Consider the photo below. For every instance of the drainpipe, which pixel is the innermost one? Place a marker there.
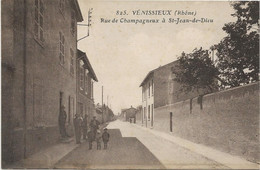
(25, 76)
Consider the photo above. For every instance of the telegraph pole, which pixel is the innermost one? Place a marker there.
(87, 25)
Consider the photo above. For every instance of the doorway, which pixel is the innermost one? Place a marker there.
(170, 121)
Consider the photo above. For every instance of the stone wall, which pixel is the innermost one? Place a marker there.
(226, 120)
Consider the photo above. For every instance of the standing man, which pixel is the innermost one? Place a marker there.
(62, 122)
(94, 125)
(85, 126)
(77, 121)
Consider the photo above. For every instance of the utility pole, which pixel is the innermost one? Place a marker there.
(88, 25)
(102, 106)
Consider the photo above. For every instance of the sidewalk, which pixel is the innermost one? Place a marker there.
(47, 157)
(225, 159)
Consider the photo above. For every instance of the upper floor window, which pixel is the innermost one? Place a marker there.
(62, 6)
(86, 81)
(81, 75)
(152, 87)
(149, 89)
(62, 48)
(38, 20)
(71, 62)
(73, 22)
(92, 89)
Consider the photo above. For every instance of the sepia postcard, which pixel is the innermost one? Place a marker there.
(129, 84)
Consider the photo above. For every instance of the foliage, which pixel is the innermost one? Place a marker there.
(237, 55)
(196, 70)
(238, 52)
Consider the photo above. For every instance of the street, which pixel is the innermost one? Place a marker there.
(132, 147)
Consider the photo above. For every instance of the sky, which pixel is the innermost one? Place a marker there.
(122, 54)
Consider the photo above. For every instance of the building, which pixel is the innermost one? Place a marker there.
(158, 90)
(129, 114)
(39, 47)
(139, 114)
(85, 86)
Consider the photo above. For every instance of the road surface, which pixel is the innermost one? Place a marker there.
(132, 147)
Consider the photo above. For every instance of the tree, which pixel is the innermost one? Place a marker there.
(237, 53)
(196, 71)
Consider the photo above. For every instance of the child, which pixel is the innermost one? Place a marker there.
(90, 138)
(98, 139)
(105, 137)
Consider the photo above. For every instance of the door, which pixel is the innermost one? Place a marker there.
(170, 121)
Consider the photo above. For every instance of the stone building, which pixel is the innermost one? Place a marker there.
(158, 90)
(39, 47)
(129, 114)
(85, 81)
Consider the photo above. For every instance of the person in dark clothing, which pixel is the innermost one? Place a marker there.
(94, 125)
(85, 126)
(90, 138)
(105, 137)
(62, 122)
(77, 121)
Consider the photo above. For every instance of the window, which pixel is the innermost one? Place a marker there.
(149, 109)
(80, 108)
(152, 115)
(145, 93)
(144, 114)
(81, 75)
(92, 87)
(143, 90)
(62, 48)
(149, 87)
(86, 81)
(71, 109)
(73, 23)
(38, 20)
(38, 116)
(71, 62)
(62, 6)
(152, 87)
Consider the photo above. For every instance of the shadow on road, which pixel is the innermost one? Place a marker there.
(122, 153)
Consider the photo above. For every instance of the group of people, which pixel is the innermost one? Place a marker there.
(90, 132)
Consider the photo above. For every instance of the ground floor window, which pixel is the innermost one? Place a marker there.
(80, 108)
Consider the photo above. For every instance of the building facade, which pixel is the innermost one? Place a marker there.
(158, 90)
(85, 86)
(39, 47)
(129, 114)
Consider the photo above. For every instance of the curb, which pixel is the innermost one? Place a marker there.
(233, 162)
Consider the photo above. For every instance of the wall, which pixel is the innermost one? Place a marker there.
(228, 120)
(148, 101)
(45, 76)
(166, 90)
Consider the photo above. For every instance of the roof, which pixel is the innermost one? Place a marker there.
(146, 77)
(78, 11)
(131, 112)
(152, 71)
(87, 64)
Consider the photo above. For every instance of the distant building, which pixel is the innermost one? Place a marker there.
(85, 86)
(39, 48)
(159, 89)
(129, 114)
